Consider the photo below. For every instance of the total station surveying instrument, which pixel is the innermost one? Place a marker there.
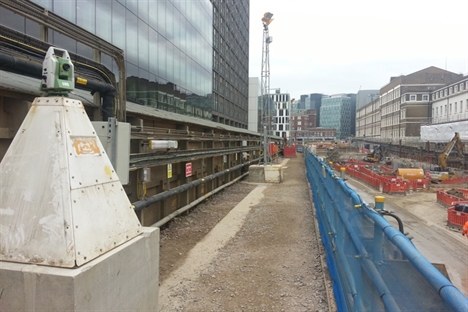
(58, 77)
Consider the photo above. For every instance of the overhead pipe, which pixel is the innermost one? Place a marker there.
(57, 23)
(107, 91)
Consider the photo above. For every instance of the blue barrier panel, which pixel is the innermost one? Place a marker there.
(374, 267)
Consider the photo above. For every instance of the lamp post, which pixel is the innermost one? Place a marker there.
(266, 99)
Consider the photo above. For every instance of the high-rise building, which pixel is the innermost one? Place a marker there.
(255, 123)
(230, 62)
(281, 113)
(302, 101)
(315, 102)
(187, 57)
(339, 112)
(364, 97)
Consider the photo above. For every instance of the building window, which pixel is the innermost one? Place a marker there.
(450, 108)
(456, 88)
(425, 97)
(456, 107)
(412, 97)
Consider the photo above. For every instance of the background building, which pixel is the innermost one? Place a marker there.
(405, 101)
(315, 102)
(230, 61)
(450, 102)
(408, 102)
(364, 97)
(368, 120)
(449, 113)
(281, 113)
(254, 105)
(187, 57)
(339, 112)
(301, 104)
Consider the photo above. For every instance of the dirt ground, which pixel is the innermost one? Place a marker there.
(252, 247)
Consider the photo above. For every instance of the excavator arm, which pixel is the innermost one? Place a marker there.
(448, 149)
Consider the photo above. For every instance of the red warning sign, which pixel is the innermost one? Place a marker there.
(188, 170)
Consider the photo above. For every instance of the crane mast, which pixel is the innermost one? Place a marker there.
(265, 87)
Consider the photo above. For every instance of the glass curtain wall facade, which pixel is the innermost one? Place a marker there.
(339, 112)
(231, 62)
(168, 46)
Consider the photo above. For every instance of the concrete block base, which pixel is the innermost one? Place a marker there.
(256, 174)
(124, 279)
(274, 174)
(266, 174)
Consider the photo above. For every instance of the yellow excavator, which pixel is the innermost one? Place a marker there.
(376, 155)
(442, 172)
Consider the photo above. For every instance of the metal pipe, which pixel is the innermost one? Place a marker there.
(447, 291)
(106, 91)
(195, 202)
(55, 22)
(388, 213)
(139, 205)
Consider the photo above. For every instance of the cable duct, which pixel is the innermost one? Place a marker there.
(106, 91)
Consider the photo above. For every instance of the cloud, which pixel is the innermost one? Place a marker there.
(334, 46)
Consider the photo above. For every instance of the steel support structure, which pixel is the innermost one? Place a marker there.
(265, 96)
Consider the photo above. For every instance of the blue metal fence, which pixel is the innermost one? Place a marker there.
(374, 267)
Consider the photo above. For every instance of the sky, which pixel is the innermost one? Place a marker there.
(343, 46)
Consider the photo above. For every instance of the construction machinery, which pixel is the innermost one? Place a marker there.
(442, 172)
(376, 155)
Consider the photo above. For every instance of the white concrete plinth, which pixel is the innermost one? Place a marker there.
(273, 174)
(256, 174)
(124, 279)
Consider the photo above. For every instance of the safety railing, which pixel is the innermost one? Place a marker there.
(374, 267)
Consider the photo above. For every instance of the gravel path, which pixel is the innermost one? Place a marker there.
(252, 247)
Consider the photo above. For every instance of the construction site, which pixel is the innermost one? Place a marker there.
(401, 170)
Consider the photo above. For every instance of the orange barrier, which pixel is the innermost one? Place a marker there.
(289, 152)
(464, 192)
(273, 149)
(455, 181)
(456, 219)
(386, 184)
(447, 200)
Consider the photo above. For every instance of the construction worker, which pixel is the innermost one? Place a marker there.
(465, 229)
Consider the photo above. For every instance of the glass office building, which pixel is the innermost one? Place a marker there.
(189, 57)
(231, 62)
(339, 112)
